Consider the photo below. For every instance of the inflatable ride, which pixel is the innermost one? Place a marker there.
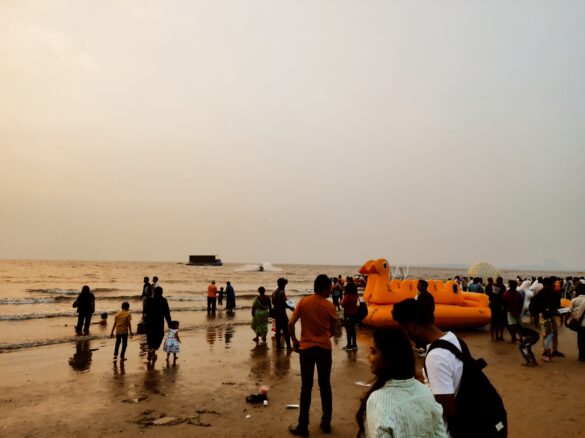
(454, 309)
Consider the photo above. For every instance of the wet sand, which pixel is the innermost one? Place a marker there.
(42, 394)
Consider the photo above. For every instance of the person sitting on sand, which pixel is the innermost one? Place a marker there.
(397, 405)
(260, 310)
(172, 342)
(123, 326)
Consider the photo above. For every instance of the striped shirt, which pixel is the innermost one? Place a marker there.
(404, 408)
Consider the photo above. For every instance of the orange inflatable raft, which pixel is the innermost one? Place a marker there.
(454, 309)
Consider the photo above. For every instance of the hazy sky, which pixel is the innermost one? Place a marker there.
(299, 131)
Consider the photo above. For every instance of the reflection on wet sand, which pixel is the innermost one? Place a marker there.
(119, 371)
(152, 380)
(281, 362)
(229, 334)
(81, 359)
(211, 334)
(170, 374)
(259, 363)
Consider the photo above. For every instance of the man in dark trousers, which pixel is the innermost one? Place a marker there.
(318, 317)
(280, 306)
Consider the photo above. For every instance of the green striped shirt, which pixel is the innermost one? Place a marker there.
(404, 408)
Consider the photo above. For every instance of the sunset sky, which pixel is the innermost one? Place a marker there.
(303, 131)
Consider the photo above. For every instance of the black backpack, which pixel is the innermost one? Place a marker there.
(479, 411)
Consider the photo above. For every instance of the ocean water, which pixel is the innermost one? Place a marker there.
(36, 297)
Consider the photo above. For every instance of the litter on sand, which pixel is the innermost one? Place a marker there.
(292, 406)
(163, 421)
(363, 384)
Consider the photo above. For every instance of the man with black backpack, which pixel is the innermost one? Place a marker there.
(471, 405)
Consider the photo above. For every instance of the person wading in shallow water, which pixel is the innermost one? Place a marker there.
(318, 318)
(156, 311)
(231, 297)
(85, 304)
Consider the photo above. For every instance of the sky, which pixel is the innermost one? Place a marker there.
(328, 132)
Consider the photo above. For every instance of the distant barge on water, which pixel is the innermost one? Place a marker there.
(204, 260)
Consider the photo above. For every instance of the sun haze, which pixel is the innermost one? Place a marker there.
(307, 132)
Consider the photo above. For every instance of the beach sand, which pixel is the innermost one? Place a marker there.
(42, 394)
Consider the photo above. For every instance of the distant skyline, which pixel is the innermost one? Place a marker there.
(307, 132)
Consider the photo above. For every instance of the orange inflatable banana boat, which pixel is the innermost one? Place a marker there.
(454, 309)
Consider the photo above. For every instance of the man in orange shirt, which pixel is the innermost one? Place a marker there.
(318, 316)
(211, 297)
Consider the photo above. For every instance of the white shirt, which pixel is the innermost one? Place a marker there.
(536, 286)
(444, 369)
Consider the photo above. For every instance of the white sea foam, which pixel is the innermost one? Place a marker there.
(259, 267)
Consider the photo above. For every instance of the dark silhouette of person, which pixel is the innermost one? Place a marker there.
(426, 299)
(156, 311)
(85, 304)
(280, 306)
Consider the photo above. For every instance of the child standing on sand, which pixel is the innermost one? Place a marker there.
(122, 326)
(172, 342)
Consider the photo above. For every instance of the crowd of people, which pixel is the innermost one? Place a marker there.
(438, 402)
(529, 308)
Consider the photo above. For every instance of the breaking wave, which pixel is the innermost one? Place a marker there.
(259, 267)
(43, 315)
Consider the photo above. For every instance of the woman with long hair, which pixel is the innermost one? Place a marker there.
(397, 405)
(85, 304)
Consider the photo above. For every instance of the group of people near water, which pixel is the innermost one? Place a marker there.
(439, 402)
(155, 311)
(215, 297)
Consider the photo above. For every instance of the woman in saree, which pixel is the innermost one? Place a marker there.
(260, 311)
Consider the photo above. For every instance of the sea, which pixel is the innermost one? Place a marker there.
(36, 297)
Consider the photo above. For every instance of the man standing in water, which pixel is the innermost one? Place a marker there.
(211, 297)
(280, 306)
(318, 317)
